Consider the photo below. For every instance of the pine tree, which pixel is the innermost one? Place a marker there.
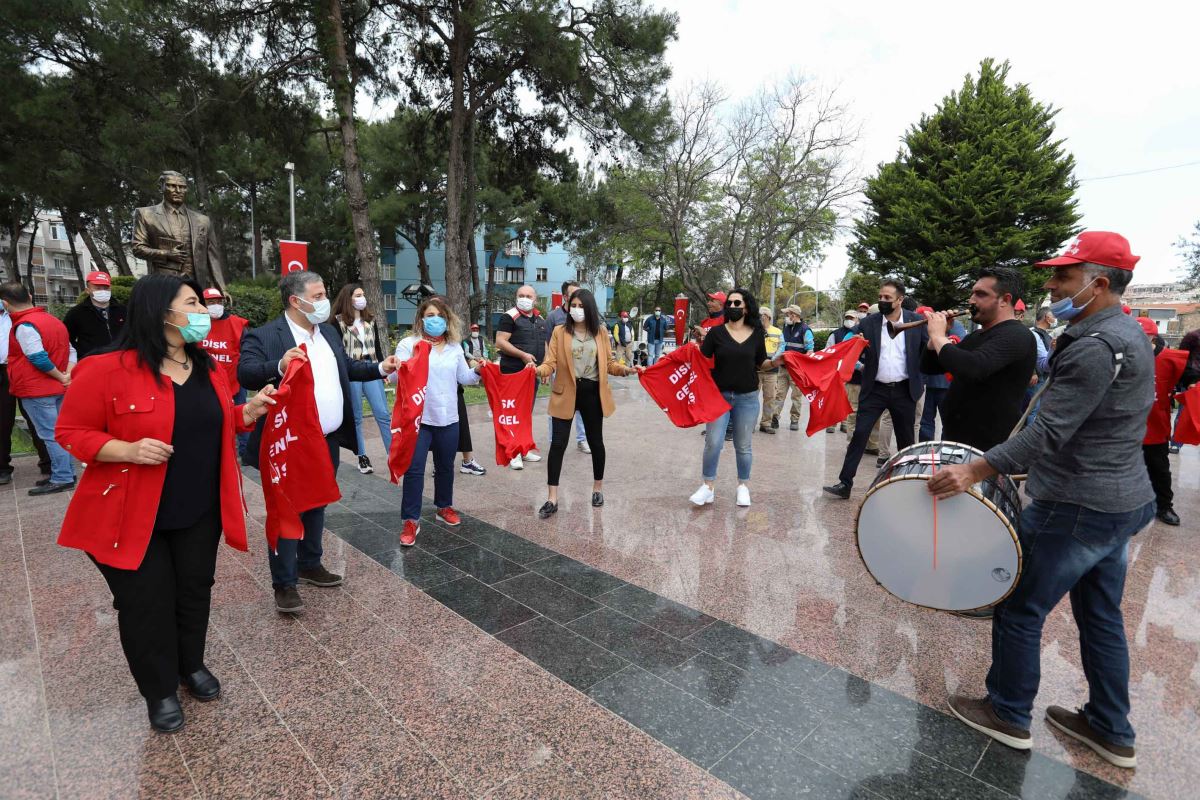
(980, 182)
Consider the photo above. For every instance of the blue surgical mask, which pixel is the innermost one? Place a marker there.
(198, 326)
(1066, 308)
(433, 326)
(320, 311)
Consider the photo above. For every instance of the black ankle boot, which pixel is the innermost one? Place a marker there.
(165, 715)
(202, 685)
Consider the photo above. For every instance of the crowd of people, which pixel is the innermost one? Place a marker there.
(155, 398)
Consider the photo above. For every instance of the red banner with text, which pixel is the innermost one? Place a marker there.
(511, 398)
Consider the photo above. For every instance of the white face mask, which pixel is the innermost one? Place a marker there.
(577, 314)
(474, 334)
(360, 303)
(320, 311)
(657, 313)
(102, 296)
(216, 310)
(525, 304)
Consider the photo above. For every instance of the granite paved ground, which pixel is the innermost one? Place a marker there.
(645, 649)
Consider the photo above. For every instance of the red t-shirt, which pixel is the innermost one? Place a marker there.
(511, 397)
(224, 344)
(1168, 368)
(682, 385)
(712, 322)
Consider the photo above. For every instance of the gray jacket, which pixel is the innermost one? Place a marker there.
(1085, 447)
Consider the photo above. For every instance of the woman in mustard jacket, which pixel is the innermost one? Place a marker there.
(581, 359)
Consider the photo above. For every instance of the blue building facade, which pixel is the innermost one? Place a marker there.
(544, 270)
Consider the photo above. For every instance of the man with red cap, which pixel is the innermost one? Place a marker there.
(224, 344)
(96, 320)
(1168, 369)
(716, 311)
(1090, 494)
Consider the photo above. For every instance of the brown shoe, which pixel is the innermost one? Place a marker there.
(1075, 725)
(980, 715)
(287, 601)
(319, 576)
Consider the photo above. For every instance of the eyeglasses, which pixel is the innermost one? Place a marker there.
(733, 303)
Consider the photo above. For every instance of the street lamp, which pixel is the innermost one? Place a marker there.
(253, 230)
(291, 170)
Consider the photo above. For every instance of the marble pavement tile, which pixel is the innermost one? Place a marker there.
(645, 646)
(765, 769)
(481, 564)
(656, 611)
(482, 605)
(546, 597)
(575, 575)
(562, 653)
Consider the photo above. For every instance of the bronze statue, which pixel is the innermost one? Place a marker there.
(175, 239)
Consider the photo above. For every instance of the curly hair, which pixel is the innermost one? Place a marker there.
(453, 323)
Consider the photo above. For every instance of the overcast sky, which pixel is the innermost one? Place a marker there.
(1126, 84)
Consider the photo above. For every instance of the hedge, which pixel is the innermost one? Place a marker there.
(255, 301)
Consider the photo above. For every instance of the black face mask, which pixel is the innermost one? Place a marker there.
(886, 307)
(733, 314)
(974, 309)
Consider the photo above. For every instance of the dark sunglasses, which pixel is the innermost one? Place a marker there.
(733, 303)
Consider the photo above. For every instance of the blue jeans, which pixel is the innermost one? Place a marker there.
(377, 397)
(443, 441)
(293, 555)
(656, 349)
(744, 414)
(242, 438)
(43, 416)
(1068, 548)
(934, 397)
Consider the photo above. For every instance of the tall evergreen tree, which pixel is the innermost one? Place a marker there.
(980, 182)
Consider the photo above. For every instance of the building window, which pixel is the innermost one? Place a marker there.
(62, 267)
(389, 302)
(514, 249)
(581, 276)
(58, 231)
(543, 274)
(41, 299)
(387, 272)
(514, 275)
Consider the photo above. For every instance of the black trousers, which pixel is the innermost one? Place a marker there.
(893, 398)
(162, 606)
(587, 403)
(464, 429)
(1159, 467)
(8, 421)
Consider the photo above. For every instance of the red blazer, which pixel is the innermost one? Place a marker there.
(112, 512)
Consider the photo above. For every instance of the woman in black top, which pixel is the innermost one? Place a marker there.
(739, 351)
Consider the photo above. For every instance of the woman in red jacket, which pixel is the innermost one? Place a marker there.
(153, 420)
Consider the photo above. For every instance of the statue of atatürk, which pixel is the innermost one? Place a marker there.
(173, 238)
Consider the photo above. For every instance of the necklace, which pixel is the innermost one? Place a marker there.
(186, 363)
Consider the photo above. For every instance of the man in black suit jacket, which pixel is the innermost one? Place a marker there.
(266, 352)
(894, 385)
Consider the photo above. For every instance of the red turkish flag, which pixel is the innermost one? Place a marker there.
(297, 474)
(681, 311)
(822, 376)
(681, 384)
(293, 256)
(1187, 427)
(511, 398)
(556, 300)
(411, 380)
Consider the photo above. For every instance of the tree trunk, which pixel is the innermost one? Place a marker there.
(658, 294)
(14, 256)
(457, 279)
(422, 245)
(29, 257)
(69, 219)
(111, 233)
(338, 52)
(491, 290)
(255, 236)
(476, 290)
(617, 282)
(471, 212)
(94, 249)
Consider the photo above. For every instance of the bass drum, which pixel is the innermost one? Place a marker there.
(960, 555)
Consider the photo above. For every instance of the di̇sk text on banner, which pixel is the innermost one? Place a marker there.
(822, 377)
(681, 384)
(411, 379)
(511, 398)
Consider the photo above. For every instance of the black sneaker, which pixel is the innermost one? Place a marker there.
(319, 576)
(50, 488)
(840, 489)
(166, 716)
(287, 601)
(775, 421)
(547, 510)
(202, 685)
(364, 465)
(597, 499)
(1169, 517)
(5, 478)
(766, 429)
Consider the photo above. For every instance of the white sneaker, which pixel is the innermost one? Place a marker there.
(533, 455)
(743, 495)
(583, 447)
(516, 463)
(703, 496)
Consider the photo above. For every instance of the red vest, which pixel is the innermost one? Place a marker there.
(26, 380)
(224, 344)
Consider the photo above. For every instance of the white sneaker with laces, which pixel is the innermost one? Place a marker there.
(516, 463)
(703, 496)
(743, 495)
(583, 447)
(533, 455)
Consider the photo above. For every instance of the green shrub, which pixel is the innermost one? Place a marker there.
(256, 302)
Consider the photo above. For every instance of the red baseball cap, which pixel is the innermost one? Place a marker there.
(99, 278)
(1105, 248)
(1148, 326)
(1127, 311)
(474, 326)
(864, 306)
(1019, 305)
(718, 296)
(213, 294)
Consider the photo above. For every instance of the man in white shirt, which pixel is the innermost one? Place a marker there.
(891, 380)
(266, 353)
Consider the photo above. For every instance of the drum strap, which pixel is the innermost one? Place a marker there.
(1118, 357)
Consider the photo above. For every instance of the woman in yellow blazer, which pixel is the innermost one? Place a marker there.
(581, 359)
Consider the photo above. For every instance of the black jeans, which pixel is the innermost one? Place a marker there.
(896, 400)
(1159, 467)
(162, 606)
(587, 403)
(464, 430)
(8, 420)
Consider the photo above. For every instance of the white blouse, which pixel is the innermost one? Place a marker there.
(447, 369)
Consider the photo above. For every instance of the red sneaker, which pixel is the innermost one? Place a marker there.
(408, 536)
(449, 516)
